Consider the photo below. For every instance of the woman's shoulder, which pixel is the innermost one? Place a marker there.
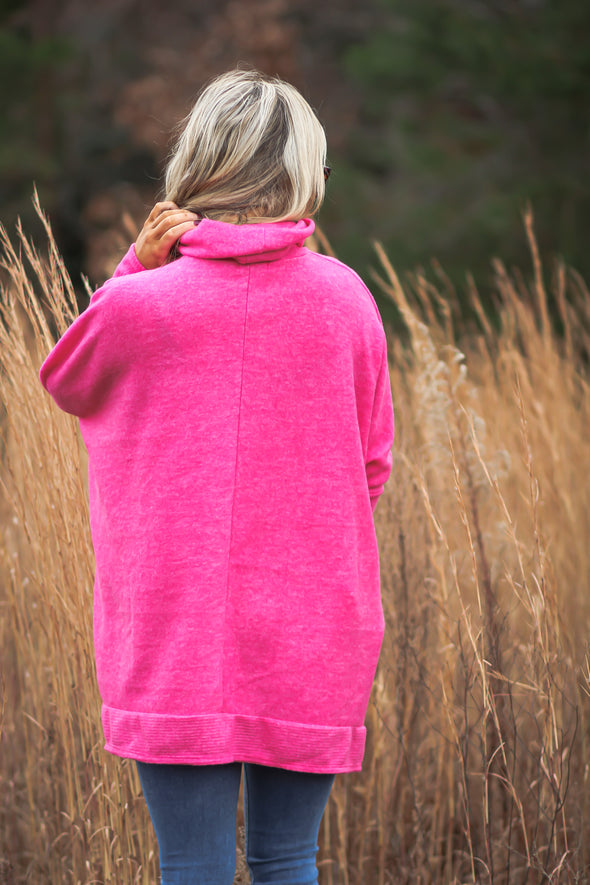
(132, 286)
(343, 278)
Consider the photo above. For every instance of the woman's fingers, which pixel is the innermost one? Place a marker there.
(163, 227)
(170, 218)
(168, 238)
(164, 206)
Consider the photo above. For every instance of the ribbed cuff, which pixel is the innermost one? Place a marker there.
(130, 263)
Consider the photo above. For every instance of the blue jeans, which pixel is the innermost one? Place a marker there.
(193, 810)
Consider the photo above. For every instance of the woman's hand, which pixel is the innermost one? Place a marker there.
(165, 224)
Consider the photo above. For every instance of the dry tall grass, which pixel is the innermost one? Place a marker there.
(478, 759)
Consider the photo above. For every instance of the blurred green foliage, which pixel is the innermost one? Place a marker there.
(448, 116)
(57, 115)
(469, 110)
(31, 110)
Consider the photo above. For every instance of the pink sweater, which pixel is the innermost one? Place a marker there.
(236, 408)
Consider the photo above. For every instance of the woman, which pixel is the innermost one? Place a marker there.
(236, 407)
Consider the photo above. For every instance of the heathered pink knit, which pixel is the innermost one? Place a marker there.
(236, 408)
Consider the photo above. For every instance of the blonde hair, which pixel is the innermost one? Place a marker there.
(251, 148)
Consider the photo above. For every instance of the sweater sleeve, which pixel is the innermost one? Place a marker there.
(378, 459)
(89, 359)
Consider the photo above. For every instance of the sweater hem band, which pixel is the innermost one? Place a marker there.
(220, 738)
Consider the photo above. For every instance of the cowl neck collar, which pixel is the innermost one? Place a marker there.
(245, 243)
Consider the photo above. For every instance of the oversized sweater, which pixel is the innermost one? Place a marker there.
(236, 407)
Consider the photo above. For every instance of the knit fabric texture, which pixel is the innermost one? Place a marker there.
(236, 407)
